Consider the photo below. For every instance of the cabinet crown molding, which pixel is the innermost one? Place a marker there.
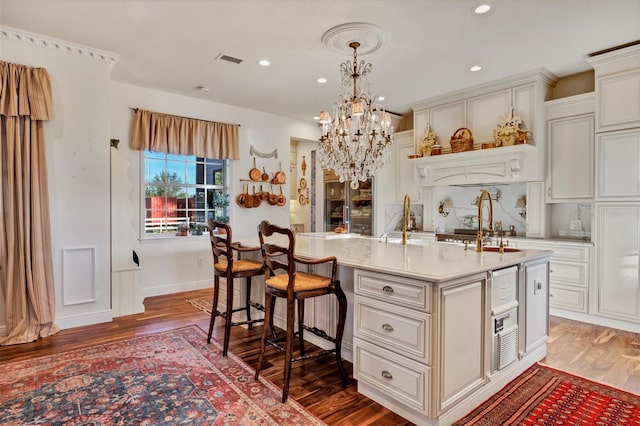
(38, 40)
(631, 53)
(538, 75)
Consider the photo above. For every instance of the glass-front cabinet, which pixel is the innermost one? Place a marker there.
(351, 209)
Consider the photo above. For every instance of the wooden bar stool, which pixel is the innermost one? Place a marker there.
(296, 286)
(226, 266)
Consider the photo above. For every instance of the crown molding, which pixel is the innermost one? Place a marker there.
(39, 40)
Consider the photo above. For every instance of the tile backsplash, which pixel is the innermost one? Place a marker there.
(464, 211)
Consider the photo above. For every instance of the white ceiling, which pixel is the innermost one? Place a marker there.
(430, 44)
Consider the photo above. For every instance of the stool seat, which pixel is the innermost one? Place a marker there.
(240, 265)
(301, 282)
(228, 264)
(283, 280)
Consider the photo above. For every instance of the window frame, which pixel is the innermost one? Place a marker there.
(191, 186)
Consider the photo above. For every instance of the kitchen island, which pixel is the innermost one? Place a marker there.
(436, 329)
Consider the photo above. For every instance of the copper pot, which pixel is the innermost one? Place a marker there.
(255, 174)
(265, 175)
(282, 200)
(240, 199)
(273, 198)
(279, 177)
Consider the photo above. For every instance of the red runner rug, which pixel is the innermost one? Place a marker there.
(168, 378)
(546, 396)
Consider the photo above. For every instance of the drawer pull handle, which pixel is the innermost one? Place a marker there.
(387, 289)
(386, 374)
(387, 327)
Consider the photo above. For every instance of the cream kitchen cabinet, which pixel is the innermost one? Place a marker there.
(617, 76)
(569, 274)
(618, 247)
(618, 166)
(405, 180)
(537, 210)
(570, 149)
(480, 109)
(536, 295)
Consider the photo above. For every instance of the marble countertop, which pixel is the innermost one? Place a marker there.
(421, 259)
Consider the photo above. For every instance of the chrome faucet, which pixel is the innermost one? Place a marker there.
(479, 241)
(406, 212)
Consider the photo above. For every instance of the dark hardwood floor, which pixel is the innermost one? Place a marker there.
(601, 354)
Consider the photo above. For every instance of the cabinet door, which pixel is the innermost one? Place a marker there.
(405, 180)
(536, 210)
(462, 351)
(619, 165)
(536, 325)
(618, 100)
(617, 247)
(570, 159)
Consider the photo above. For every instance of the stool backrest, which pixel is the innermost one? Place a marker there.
(221, 242)
(277, 254)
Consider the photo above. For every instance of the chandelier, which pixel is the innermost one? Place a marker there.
(356, 139)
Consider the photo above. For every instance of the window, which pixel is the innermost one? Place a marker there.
(182, 192)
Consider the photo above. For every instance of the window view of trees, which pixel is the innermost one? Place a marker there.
(182, 193)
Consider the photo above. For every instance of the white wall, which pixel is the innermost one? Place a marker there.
(90, 110)
(77, 150)
(170, 265)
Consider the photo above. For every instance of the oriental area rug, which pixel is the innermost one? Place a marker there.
(167, 378)
(202, 303)
(546, 396)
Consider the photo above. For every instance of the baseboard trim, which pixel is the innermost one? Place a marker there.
(176, 288)
(84, 319)
(594, 319)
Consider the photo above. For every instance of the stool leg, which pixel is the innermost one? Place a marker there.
(268, 318)
(271, 326)
(214, 308)
(229, 317)
(247, 300)
(288, 349)
(301, 325)
(342, 316)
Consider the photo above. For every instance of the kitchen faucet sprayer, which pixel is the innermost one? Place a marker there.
(479, 237)
(406, 210)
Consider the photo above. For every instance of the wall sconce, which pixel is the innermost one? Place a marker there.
(522, 205)
(444, 207)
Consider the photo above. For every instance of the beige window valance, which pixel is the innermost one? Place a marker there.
(25, 91)
(172, 134)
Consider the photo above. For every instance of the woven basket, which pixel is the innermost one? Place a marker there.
(461, 140)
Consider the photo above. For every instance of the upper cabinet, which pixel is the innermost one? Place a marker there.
(480, 109)
(617, 76)
(404, 178)
(570, 149)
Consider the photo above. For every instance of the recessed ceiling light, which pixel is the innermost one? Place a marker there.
(316, 118)
(475, 68)
(203, 89)
(321, 80)
(381, 98)
(264, 62)
(483, 8)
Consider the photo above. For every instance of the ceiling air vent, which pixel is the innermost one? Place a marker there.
(228, 58)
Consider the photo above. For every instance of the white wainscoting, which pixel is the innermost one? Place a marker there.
(78, 275)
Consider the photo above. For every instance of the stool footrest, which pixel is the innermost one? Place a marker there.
(247, 322)
(318, 332)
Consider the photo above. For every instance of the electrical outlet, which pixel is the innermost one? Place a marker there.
(200, 261)
(575, 225)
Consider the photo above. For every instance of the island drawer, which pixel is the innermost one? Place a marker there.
(397, 377)
(405, 331)
(403, 291)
